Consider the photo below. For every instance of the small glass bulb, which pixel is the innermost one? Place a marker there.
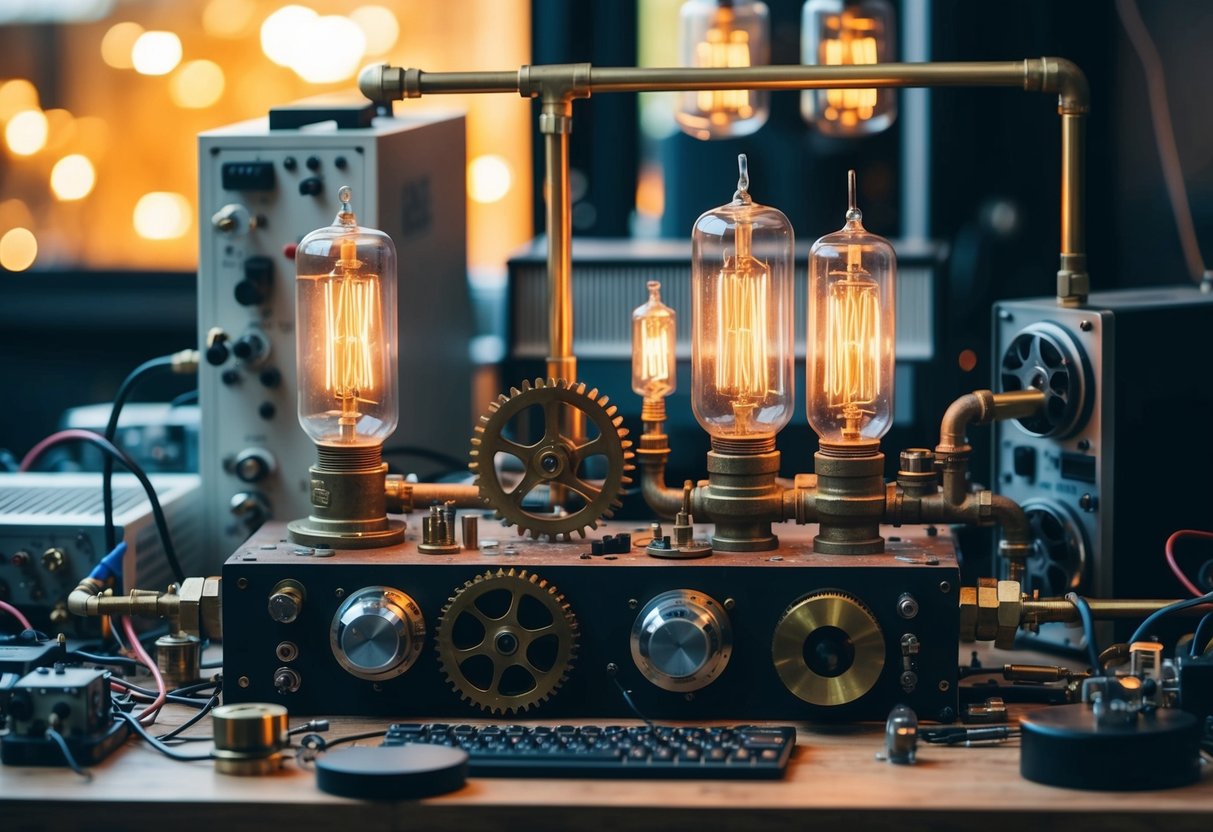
(741, 343)
(848, 33)
(849, 366)
(653, 329)
(345, 332)
(724, 33)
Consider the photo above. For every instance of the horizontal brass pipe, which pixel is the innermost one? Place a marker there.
(1042, 610)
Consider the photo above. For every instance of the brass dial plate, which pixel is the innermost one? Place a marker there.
(828, 612)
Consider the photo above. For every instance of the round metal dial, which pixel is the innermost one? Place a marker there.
(1044, 357)
(828, 649)
(506, 641)
(377, 633)
(682, 640)
(554, 459)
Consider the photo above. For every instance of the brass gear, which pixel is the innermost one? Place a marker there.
(828, 649)
(555, 459)
(506, 641)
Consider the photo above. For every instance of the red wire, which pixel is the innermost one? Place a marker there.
(27, 462)
(148, 715)
(1179, 573)
(16, 613)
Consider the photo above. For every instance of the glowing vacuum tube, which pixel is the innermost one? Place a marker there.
(742, 273)
(653, 330)
(848, 33)
(724, 33)
(849, 366)
(345, 340)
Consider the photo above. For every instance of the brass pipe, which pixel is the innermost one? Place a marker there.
(976, 408)
(406, 497)
(1044, 610)
(1073, 283)
(652, 454)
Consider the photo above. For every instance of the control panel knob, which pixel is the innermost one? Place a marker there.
(54, 559)
(217, 350)
(312, 186)
(251, 507)
(253, 464)
(286, 601)
(251, 347)
(682, 640)
(254, 289)
(232, 219)
(377, 633)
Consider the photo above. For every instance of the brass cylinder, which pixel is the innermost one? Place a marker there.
(742, 499)
(850, 503)
(349, 501)
(249, 738)
(179, 659)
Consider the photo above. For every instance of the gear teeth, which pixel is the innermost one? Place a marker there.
(476, 440)
(526, 385)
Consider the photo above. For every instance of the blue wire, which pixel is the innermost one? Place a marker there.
(1153, 618)
(110, 566)
(1204, 630)
(1088, 630)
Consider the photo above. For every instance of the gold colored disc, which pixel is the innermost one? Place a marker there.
(828, 649)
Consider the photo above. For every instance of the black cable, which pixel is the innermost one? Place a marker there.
(118, 455)
(452, 462)
(70, 758)
(1200, 638)
(627, 698)
(1088, 629)
(176, 698)
(1155, 616)
(95, 658)
(192, 721)
(165, 362)
(166, 750)
(188, 397)
(353, 738)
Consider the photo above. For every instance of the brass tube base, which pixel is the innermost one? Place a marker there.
(850, 501)
(349, 503)
(742, 499)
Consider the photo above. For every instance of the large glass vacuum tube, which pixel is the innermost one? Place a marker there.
(851, 341)
(742, 279)
(345, 332)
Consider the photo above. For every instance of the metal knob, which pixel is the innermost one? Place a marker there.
(232, 218)
(286, 601)
(253, 464)
(377, 633)
(681, 640)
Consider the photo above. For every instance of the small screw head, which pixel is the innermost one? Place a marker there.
(947, 714)
(907, 606)
(730, 604)
(549, 463)
(339, 592)
(944, 686)
(633, 603)
(242, 583)
(378, 688)
(945, 587)
(243, 681)
(1086, 326)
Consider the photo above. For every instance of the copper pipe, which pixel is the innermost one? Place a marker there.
(1043, 610)
(406, 497)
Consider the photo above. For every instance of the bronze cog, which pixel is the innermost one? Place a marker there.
(828, 649)
(506, 641)
(555, 459)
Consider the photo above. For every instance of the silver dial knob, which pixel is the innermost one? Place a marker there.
(682, 640)
(377, 633)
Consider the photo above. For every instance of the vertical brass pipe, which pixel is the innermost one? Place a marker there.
(1073, 284)
(561, 362)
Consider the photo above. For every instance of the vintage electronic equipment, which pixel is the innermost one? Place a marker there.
(260, 190)
(52, 533)
(549, 629)
(610, 275)
(159, 437)
(1116, 462)
(76, 703)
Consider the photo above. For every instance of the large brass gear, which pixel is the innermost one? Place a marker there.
(506, 641)
(828, 649)
(555, 460)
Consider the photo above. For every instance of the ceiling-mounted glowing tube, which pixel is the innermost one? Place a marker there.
(848, 33)
(723, 33)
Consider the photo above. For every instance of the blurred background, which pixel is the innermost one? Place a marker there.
(101, 102)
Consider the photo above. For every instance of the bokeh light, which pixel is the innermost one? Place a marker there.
(330, 50)
(119, 42)
(17, 95)
(18, 249)
(162, 215)
(489, 178)
(282, 32)
(73, 177)
(26, 132)
(379, 26)
(156, 53)
(60, 130)
(228, 18)
(197, 84)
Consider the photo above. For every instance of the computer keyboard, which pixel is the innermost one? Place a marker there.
(740, 752)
